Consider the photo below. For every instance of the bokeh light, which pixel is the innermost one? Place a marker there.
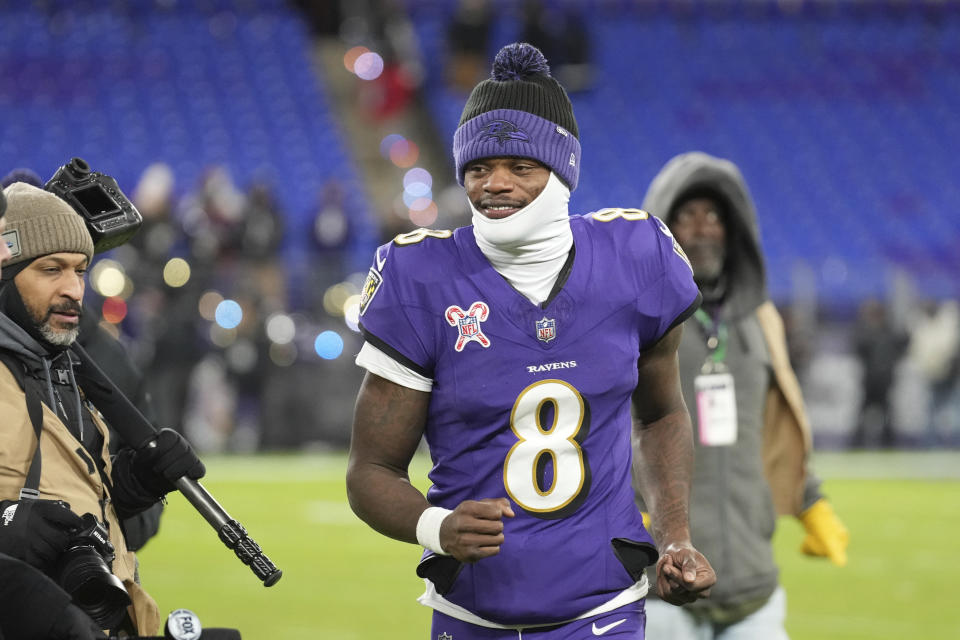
(176, 272)
(108, 278)
(417, 175)
(387, 143)
(208, 304)
(222, 337)
(229, 315)
(419, 204)
(283, 355)
(350, 57)
(335, 297)
(328, 345)
(417, 190)
(114, 310)
(404, 153)
(425, 217)
(280, 328)
(368, 66)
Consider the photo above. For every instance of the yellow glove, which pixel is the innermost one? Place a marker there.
(826, 536)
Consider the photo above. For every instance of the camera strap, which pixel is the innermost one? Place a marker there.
(30, 490)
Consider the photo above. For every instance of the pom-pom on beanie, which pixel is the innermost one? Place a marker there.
(520, 111)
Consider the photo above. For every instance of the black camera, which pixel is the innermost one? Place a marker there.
(110, 217)
(83, 571)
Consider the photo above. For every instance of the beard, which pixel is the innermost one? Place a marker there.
(708, 260)
(59, 337)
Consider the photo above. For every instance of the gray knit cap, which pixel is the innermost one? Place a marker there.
(40, 223)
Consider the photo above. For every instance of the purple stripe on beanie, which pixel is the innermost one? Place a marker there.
(511, 133)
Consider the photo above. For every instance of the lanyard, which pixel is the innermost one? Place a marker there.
(716, 335)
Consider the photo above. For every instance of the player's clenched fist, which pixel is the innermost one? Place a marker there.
(475, 529)
(683, 575)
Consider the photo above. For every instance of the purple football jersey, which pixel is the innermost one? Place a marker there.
(532, 402)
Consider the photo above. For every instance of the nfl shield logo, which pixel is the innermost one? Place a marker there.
(546, 329)
(469, 326)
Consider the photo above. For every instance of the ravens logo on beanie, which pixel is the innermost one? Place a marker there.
(40, 223)
(520, 111)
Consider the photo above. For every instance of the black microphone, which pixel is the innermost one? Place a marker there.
(124, 416)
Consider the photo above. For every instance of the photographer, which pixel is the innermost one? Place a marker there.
(109, 354)
(48, 490)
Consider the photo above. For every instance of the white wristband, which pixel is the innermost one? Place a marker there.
(428, 528)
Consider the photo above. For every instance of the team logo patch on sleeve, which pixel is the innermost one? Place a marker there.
(468, 324)
(370, 288)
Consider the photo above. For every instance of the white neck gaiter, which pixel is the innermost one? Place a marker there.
(529, 247)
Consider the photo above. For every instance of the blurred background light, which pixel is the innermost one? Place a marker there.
(387, 143)
(108, 277)
(426, 216)
(350, 57)
(208, 303)
(417, 175)
(176, 272)
(114, 310)
(328, 345)
(335, 297)
(229, 314)
(368, 66)
(404, 153)
(280, 328)
(221, 336)
(283, 355)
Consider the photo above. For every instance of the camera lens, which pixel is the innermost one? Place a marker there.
(84, 574)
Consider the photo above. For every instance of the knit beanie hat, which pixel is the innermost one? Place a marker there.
(40, 223)
(520, 111)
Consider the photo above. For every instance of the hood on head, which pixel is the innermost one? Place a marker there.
(696, 172)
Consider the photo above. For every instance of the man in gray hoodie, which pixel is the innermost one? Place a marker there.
(751, 432)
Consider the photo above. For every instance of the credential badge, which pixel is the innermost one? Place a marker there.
(468, 324)
(546, 329)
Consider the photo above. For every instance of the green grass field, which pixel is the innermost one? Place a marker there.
(341, 580)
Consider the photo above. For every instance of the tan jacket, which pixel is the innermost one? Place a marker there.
(787, 441)
(66, 476)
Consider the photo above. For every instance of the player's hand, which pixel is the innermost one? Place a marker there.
(683, 574)
(475, 529)
(827, 536)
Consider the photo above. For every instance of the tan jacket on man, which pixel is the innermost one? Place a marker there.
(66, 476)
